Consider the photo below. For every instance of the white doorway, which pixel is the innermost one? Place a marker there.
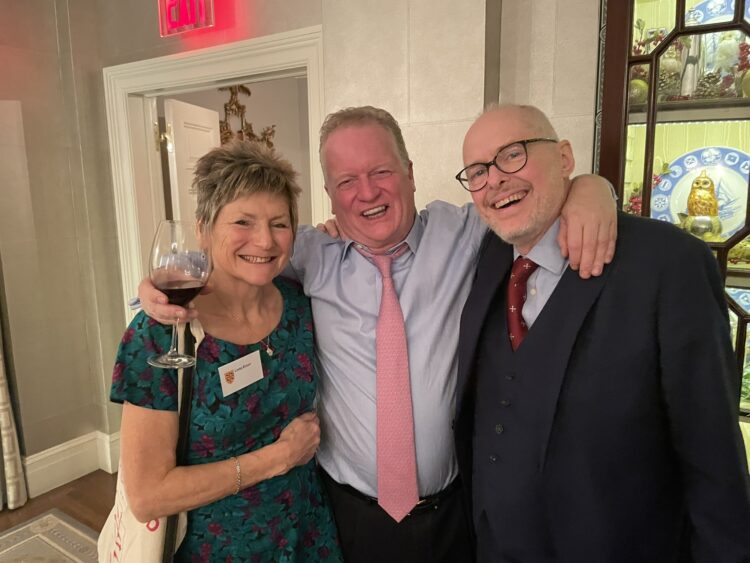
(274, 110)
(191, 131)
(130, 91)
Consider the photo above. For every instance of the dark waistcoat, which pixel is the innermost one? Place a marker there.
(508, 444)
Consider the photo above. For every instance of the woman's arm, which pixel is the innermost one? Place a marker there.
(156, 487)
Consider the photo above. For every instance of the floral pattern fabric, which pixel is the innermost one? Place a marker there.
(284, 519)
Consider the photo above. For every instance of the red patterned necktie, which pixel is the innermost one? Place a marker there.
(396, 456)
(519, 274)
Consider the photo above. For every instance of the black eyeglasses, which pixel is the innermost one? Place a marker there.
(509, 159)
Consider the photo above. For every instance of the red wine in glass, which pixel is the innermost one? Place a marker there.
(181, 292)
(180, 268)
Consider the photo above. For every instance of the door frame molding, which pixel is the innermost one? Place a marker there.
(297, 52)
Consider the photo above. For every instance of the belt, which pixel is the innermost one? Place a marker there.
(425, 504)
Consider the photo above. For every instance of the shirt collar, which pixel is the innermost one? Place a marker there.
(546, 252)
(411, 240)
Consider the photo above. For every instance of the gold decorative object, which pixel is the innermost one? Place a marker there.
(234, 108)
(702, 219)
(702, 199)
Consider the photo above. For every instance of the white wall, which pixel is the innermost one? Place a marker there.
(548, 58)
(57, 242)
(422, 60)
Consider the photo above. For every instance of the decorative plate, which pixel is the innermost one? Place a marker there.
(741, 296)
(728, 167)
(709, 11)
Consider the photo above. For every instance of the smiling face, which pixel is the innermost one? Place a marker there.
(521, 206)
(371, 190)
(251, 240)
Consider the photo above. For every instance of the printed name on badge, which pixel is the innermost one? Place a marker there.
(240, 373)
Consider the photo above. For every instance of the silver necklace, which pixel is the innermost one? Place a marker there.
(264, 341)
(239, 318)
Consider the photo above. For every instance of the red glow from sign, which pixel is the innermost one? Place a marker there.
(178, 16)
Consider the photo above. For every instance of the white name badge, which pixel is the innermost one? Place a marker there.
(240, 373)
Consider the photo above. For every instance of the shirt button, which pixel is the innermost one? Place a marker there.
(505, 403)
(533, 291)
(499, 428)
(493, 458)
(510, 377)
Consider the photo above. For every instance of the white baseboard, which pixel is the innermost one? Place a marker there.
(66, 462)
(108, 448)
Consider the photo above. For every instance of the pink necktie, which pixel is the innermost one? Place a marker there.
(519, 275)
(396, 457)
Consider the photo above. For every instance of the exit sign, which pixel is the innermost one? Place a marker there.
(178, 16)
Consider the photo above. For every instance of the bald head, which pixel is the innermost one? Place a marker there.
(522, 204)
(511, 117)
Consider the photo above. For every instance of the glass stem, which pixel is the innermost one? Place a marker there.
(173, 346)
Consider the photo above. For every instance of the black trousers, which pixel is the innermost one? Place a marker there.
(438, 532)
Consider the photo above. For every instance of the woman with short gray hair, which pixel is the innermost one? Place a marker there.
(250, 483)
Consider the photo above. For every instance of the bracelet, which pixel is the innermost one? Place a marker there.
(238, 481)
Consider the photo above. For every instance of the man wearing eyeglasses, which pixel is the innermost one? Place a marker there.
(596, 420)
(369, 178)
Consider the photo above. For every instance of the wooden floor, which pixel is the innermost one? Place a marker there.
(88, 500)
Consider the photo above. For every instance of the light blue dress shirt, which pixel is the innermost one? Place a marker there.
(544, 280)
(433, 279)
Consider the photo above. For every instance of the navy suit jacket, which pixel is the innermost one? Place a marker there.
(641, 458)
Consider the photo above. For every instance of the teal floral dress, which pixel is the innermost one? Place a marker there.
(284, 519)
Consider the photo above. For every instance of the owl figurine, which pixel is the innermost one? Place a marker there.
(702, 199)
(702, 219)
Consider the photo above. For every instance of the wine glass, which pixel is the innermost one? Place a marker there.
(180, 268)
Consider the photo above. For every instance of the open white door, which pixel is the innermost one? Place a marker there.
(192, 131)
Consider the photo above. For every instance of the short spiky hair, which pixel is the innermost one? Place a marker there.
(238, 169)
(364, 115)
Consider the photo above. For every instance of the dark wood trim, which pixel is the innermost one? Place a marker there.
(613, 113)
(679, 23)
(616, 49)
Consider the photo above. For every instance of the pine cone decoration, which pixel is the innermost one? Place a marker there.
(709, 86)
(669, 83)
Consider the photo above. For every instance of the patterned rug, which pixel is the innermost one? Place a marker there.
(50, 537)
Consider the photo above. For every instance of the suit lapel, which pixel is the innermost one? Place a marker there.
(556, 329)
(494, 264)
(554, 335)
